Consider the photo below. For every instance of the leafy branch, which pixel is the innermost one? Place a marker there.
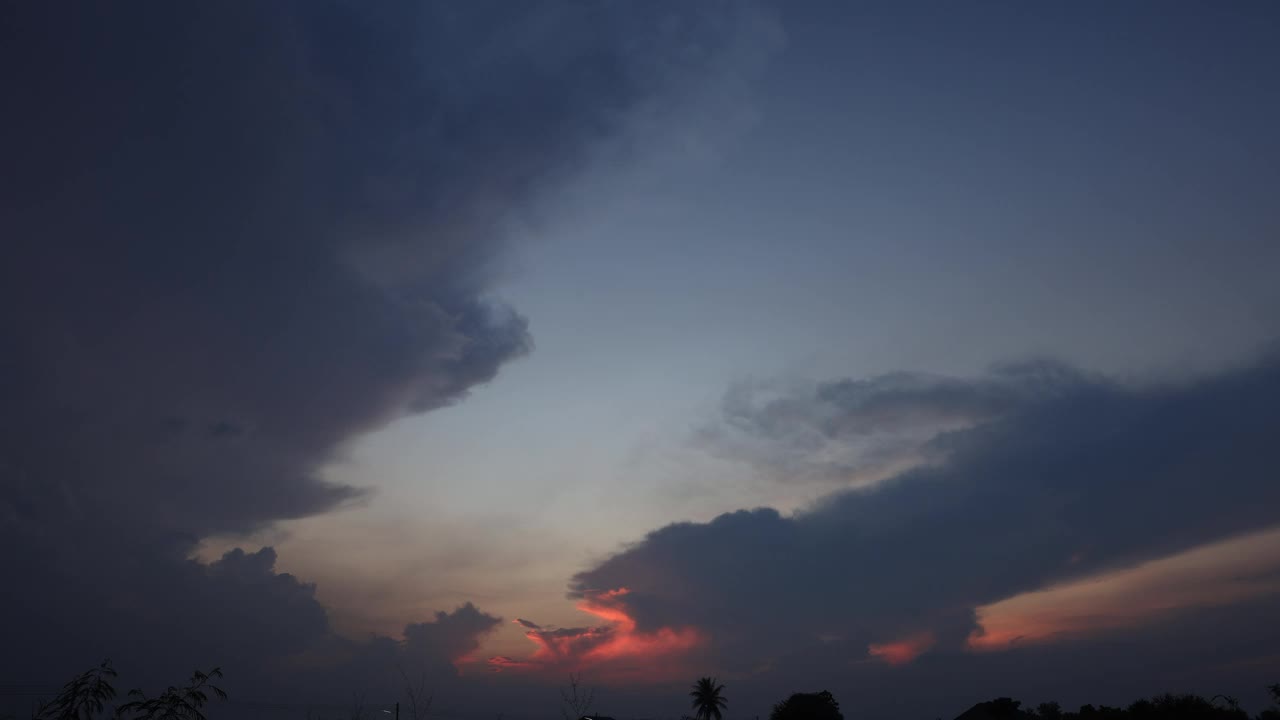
(82, 698)
(184, 703)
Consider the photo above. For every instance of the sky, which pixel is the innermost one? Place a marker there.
(920, 352)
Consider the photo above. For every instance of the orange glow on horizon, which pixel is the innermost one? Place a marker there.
(1217, 574)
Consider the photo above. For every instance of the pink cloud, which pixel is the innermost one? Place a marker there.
(901, 652)
(616, 647)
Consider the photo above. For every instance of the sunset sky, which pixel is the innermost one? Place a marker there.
(922, 352)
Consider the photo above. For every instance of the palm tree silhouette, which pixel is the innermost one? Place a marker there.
(707, 699)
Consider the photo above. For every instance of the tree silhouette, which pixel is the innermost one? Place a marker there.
(356, 710)
(1002, 708)
(182, 703)
(807, 706)
(83, 697)
(1273, 712)
(1161, 707)
(1176, 707)
(573, 702)
(419, 700)
(1050, 711)
(707, 699)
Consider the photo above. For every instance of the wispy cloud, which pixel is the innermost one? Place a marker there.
(850, 432)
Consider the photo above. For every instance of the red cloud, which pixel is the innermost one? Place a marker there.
(498, 663)
(616, 646)
(901, 652)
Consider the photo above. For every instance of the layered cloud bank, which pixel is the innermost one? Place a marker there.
(1032, 476)
(237, 237)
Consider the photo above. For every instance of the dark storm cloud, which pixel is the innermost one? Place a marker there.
(452, 635)
(1075, 476)
(156, 616)
(846, 431)
(238, 236)
(271, 222)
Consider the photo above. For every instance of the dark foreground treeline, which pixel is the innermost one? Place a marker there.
(1162, 707)
(708, 702)
(86, 696)
(822, 706)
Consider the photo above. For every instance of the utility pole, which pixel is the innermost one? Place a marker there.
(397, 710)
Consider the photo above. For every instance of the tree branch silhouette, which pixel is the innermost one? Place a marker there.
(176, 703)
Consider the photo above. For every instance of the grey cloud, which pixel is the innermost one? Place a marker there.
(1084, 476)
(225, 429)
(452, 635)
(851, 432)
(156, 615)
(206, 251)
(238, 237)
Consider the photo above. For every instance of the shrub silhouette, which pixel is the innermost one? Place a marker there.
(807, 706)
(999, 709)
